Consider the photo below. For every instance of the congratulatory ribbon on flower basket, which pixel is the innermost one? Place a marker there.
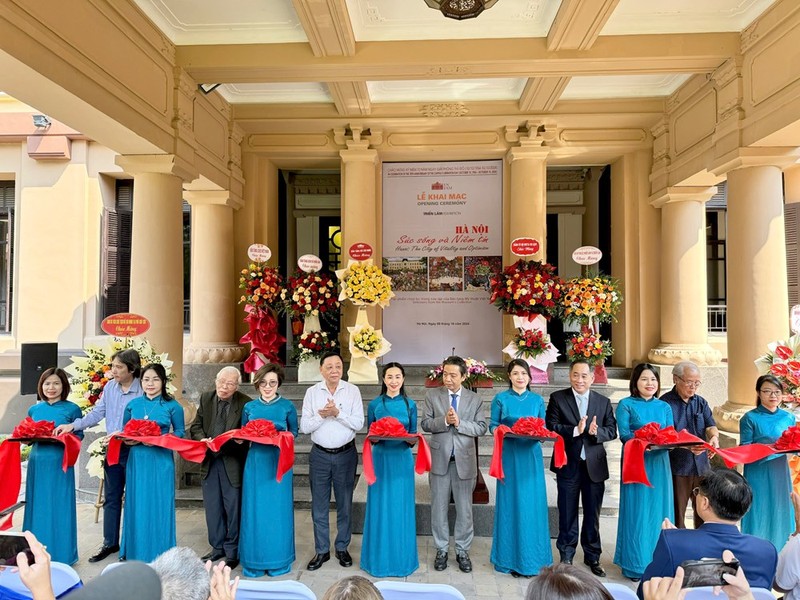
(10, 469)
(391, 427)
(262, 431)
(263, 338)
(149, 432)
(533, 427)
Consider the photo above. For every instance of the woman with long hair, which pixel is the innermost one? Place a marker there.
(149, 518)
(389, 547)
(771, 515)
(520, 543)
(642, 509)
(266, 538)
(49, 490)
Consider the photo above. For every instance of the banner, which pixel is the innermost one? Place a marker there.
(442, 239)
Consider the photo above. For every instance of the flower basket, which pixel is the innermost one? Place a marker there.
(309, 348)
(478, 375)
(591, 299)
(533, 345)
(262, 287)
(364, 284)
(527, 288)
(539, 376)
(589, 346)
(311, 294)
(367, 344)
(783, 361)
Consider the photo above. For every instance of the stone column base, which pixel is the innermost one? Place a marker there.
(213, 353)
(728, 415)
(671, 354)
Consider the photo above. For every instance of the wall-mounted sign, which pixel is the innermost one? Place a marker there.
(309, 263)
(587, 255)
(125, 325)
(259, 253)
(525, 246)
(360, 251)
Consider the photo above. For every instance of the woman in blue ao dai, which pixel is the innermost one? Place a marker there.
(771, 515)
(642, 509)
(149, 519)
(389, 547)
(521, 539)
(49, 491)
(266, 534)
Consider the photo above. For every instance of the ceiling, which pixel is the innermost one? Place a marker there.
(376, 37)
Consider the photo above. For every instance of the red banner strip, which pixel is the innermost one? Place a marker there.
(422, 463)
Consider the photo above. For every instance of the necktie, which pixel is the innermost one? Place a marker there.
(583, 406)
(453, 402)
(222, 417)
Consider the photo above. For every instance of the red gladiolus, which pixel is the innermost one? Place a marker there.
(783, 352)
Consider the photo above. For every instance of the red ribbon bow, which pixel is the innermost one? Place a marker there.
(149, 432)
(10, 469)
(263, 338)
(633, 469)
(391, 427)
(530, 427)
(789, 440)
(262, 431)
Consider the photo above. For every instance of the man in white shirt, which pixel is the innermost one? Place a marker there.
(787, 575)
(332, 413)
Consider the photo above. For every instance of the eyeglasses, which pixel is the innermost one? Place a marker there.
(691, 384)
(771, 393)
(264, 383)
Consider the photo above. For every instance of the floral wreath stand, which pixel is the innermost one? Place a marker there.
(308, 370)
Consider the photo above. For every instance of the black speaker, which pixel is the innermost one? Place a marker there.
(36, 359)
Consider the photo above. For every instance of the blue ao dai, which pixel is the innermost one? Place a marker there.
(266, 534)
(49, 491)
(389, 547)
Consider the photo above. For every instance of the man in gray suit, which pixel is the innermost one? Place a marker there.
(219, 412)
(455, 417)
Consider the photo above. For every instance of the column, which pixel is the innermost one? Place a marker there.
(214, 293)
(528, 199)
(684, 306)
(758, 311)
(590, 230)
(157, 251)
(359, 212)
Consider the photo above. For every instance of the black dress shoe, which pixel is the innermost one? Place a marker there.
(516, 575)
(231, 563)
(566, 561)
(464, 563)
(344, 558)
(318, 560)
(104, 552)
(440, 563)
(595, 568)
(213, 556)
(635, 579)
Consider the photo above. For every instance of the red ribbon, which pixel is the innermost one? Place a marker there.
(262, 431)
(391, 427)
(10, 470)
(789, 440)
(149, 432)
(633, 469)
(263, 338)
(527, 426)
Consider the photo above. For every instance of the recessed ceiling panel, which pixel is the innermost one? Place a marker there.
(225, 22)
(623, 86)
(683, 16)
(445, 90)
(382, 20)
(274, 93)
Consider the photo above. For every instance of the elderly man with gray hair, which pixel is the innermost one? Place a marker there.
(691, 412)
(221, 411)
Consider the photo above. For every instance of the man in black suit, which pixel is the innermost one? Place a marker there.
(221, 411)
(585, 420)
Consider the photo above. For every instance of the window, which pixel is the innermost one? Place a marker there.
(7, 193)
(117, 235)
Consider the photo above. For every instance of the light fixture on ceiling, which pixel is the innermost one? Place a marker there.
(461, 9)
(207, 88)
(41, 121)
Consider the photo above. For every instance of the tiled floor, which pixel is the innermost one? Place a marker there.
(483, 582)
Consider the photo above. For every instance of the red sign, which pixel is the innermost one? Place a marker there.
(587, 255)
(259, 253)
(309, 263)
(125, 325)
(525, 246)
(360, 251)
